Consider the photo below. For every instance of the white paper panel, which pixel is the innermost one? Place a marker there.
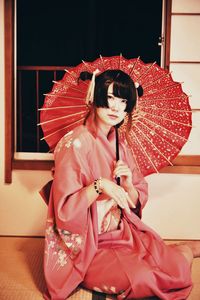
(192, 147)
(185, 41)
(186, 6)
(173, 207)
(189, 74)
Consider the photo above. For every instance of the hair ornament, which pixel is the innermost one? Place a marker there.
(90, 92)
(137, 85)
(139, 89)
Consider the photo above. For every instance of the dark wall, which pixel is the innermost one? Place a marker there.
(65, 32)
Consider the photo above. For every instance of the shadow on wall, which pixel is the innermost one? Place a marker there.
(32, 180)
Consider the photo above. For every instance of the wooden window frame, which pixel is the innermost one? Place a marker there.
(187, 164)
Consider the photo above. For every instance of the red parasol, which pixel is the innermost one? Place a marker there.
(161, 121)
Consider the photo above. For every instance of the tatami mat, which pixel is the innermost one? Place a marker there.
(21, 276)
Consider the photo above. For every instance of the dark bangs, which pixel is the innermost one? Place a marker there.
(123, 87)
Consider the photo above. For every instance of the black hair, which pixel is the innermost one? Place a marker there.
(123, 87)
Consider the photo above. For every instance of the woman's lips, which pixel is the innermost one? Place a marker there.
(113, 117)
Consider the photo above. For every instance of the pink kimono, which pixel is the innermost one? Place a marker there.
(102, 247)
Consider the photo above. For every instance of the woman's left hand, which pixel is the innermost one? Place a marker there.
(123, 171)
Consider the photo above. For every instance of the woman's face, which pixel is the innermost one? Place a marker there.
(114, 114)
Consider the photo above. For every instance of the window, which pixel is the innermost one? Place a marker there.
(50, 37)
(36, 72)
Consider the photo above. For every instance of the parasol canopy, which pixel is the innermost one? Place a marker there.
(161, 120)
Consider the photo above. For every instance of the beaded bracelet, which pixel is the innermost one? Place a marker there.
(100, 184)
(97, 186)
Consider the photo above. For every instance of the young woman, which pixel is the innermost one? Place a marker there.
(95, 236)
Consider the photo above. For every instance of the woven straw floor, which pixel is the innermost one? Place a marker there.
(21, 276)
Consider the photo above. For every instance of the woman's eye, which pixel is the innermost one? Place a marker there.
(110, 97)
(124, 101)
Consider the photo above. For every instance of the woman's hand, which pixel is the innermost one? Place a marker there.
(117, 193)
(123, 171)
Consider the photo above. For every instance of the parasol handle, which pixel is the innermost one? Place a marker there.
(117, 151)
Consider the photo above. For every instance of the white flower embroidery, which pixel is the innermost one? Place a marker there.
(77, 143)
(49, 230)
(97, 289)
(51, 244)
(79, 240)
(69, 245)
(58, 147)
(62, 258)
(113, 289)
(69, 133)
(68, 144)
(106, 289)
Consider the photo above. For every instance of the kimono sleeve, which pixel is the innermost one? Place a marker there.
(69, 186)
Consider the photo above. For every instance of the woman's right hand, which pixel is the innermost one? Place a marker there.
(117, 193)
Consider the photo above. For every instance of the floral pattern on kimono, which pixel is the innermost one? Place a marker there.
(64, 244)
